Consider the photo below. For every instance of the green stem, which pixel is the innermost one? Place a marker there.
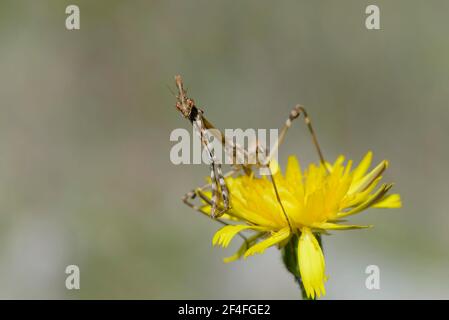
(290, 259)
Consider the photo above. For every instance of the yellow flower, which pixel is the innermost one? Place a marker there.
(314, 202)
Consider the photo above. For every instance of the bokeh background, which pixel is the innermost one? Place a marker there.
(85, 175)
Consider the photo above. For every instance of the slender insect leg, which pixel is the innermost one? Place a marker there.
(199, 127)
(224, 191)
(278, 198)
(216, 174)
(214, 189)
(236, 151)
(295, 113)
(191, 195)
(200, 192)
(206, 199)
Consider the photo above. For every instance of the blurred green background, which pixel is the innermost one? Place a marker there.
(85, 175)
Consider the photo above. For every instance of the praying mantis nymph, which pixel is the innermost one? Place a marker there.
(220, 201)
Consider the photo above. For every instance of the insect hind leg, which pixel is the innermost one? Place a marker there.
(295, 113)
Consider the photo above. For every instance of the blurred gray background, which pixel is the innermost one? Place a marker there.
(85, 175)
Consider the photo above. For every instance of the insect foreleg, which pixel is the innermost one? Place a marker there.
(216, 174)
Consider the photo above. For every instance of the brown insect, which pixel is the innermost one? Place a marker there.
(220, 201)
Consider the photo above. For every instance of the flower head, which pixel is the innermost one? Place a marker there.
(313, 202)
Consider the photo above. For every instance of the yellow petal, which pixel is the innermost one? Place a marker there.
(293, 172)
(207, 211)
(347, 169)
(277, 237)
(391, 201)
(224, 236)
(245, 245)
(368, 179)
(356, 199)
(335, 226)
(331, 166)
(369, 202)
(311, 264)
(339, 161)
(363, 166)
(274, 168)
(236, 255)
